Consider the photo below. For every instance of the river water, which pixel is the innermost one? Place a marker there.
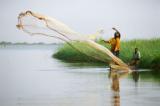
(29, 76)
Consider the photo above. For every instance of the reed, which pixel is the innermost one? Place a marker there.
(150, 52)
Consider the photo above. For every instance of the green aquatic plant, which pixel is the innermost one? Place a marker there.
(68, 53)
(156, 63)
(149, 52)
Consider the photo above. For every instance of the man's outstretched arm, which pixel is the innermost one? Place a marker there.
(115, 29)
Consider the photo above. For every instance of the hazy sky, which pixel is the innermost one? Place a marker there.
(134, 18)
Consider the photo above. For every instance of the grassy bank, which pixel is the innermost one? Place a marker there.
(150, 52)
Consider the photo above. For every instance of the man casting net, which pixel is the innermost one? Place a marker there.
(38, 24)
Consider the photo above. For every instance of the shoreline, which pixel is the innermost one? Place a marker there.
(150, 55)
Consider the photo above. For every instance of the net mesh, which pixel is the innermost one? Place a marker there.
(38, 24)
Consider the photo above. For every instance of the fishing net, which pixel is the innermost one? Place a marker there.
(38, 24)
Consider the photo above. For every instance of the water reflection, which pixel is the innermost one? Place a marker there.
(115, 88)
(115, 75)
(135, 76)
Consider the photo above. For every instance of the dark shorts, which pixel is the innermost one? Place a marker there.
(136, 59)
(116, 53)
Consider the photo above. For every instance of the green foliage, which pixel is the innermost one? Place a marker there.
(150, 51)
(70, 54)
(156, 63)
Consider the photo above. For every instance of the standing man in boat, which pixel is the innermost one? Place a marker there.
(115, 42)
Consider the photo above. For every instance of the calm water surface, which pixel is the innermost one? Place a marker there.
(29, 76)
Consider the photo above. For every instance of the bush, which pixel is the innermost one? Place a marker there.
(150, 52)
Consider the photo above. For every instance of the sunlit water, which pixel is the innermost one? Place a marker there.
(29, 76)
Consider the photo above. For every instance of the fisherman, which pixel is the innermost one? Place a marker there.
(115, 42)
(135, 58)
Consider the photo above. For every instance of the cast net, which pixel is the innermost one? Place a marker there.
(38, 24)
